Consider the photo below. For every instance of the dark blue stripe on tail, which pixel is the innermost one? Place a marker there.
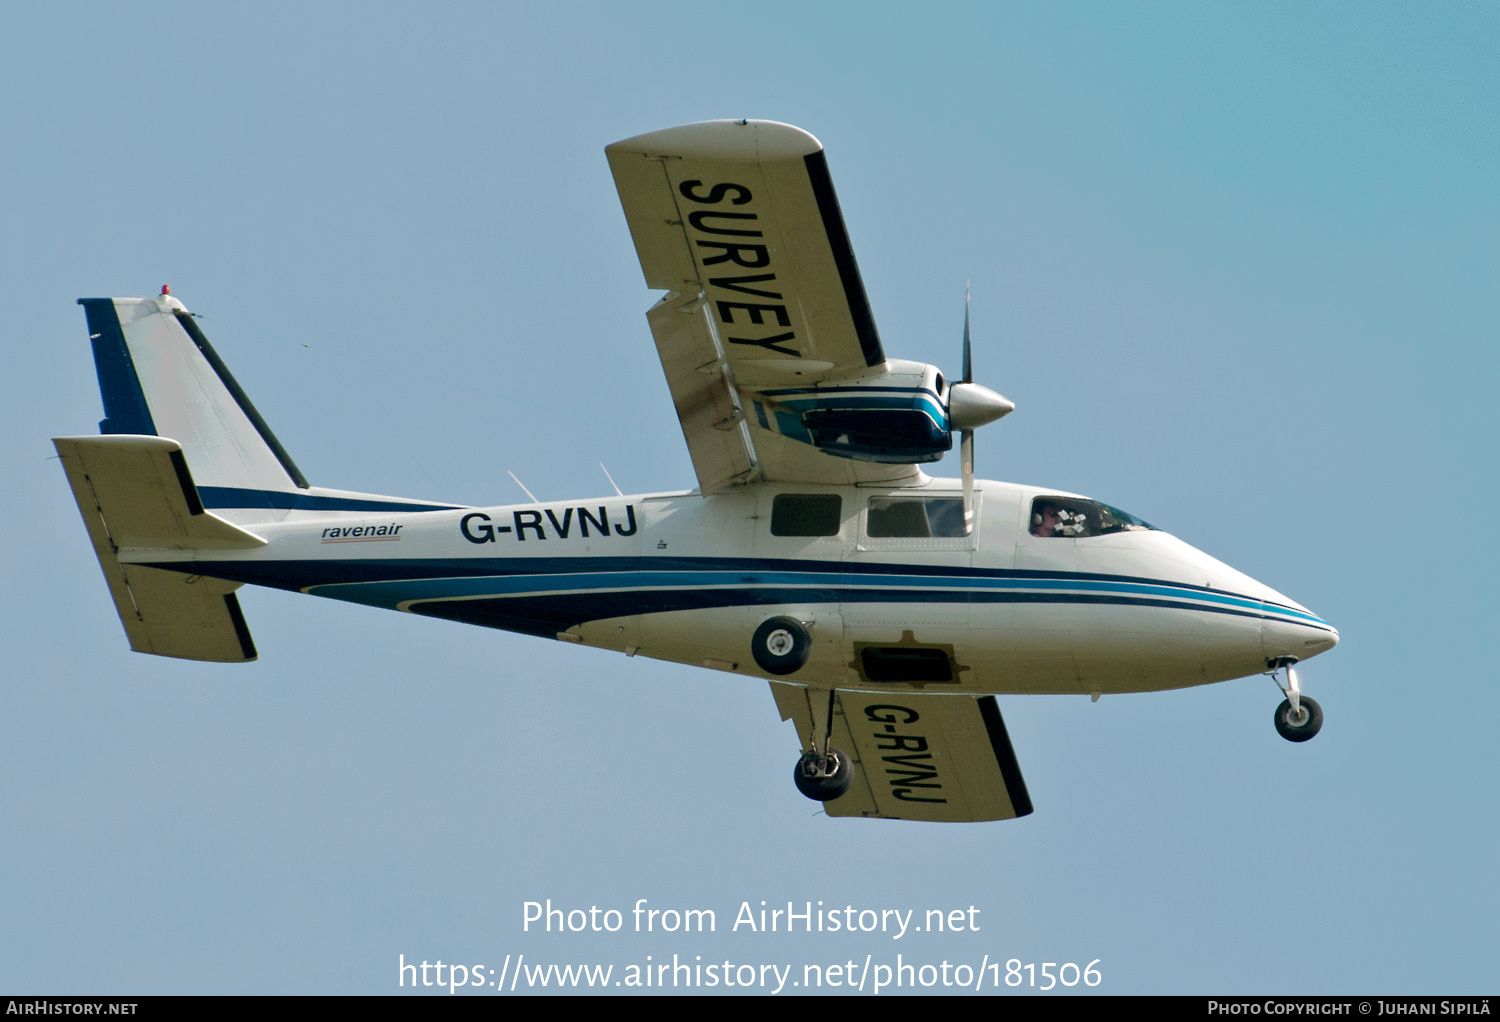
(294, 500)
(125, 408)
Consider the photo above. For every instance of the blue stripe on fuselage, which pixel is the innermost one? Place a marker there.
(391, 583)
(549, 614)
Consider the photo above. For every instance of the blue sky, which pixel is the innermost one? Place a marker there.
(1235, 263)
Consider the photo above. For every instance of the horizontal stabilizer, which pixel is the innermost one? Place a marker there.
(142, 488)
(137, 492)
(941, 758)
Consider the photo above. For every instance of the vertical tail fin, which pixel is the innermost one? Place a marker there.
(159, 376)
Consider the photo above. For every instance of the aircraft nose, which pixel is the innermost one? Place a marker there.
(1320, 640)
(1300, 637)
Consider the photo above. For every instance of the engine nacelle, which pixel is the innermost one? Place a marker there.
(907, 414)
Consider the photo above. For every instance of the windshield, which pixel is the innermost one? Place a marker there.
(1075, 517)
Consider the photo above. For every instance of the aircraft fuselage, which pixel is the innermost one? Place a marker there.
(680, 577)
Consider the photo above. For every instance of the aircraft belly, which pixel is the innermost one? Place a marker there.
(1032, 653)
(1089, 648)
(621, 634)
(1142, 649)
(720, 636)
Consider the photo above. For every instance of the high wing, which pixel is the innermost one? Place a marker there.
(739, 223)
(940, 758)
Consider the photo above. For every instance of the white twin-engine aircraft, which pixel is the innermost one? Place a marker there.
(886, 608)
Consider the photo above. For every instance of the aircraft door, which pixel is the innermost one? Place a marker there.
(803, 536)
(907, 612)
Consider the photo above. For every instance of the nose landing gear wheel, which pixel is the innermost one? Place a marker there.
(1301, 725)
(823, 778)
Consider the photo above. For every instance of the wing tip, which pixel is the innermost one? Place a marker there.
(737, 139)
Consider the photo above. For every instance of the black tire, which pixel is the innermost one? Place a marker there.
(781, 645)
(814, 779)
(1295, 732)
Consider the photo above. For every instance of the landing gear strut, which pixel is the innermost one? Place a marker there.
(823, 773)
(1299, 717)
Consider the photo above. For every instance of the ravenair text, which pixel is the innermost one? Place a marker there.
(361, 533)
(549, 523)
(806, 917)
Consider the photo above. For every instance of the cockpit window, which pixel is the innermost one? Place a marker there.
(915, 517)
(1075, 517)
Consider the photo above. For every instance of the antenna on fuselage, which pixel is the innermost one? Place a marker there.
(522, 486)
(611, 479)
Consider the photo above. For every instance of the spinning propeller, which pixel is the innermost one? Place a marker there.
(971, 405)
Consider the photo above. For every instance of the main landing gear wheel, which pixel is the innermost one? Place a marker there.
(823, 773)
(823, 778)
(781, 645)
(1301, 724)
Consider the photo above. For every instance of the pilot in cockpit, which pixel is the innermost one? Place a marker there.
(1076, 518)
(1045, 520)
(1048, 519)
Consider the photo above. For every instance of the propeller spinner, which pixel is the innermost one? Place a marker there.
(971, 405)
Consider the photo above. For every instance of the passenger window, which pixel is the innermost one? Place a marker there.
(806, 514)
(1073, 517)
(916, 518)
